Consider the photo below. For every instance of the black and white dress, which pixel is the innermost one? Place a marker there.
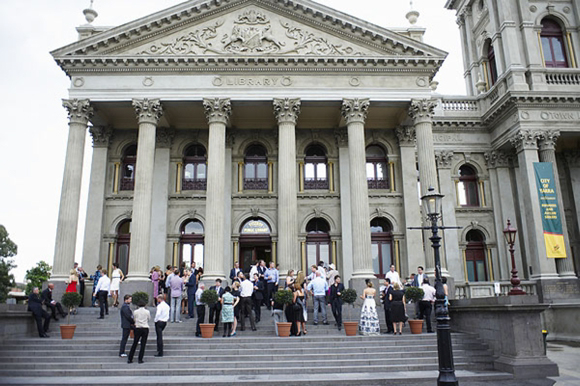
(369, 319)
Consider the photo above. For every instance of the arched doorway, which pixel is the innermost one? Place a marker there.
(381, 246)
(317, 242)
(191, 241)
(255, 243)
(123, 245)
(477, 269)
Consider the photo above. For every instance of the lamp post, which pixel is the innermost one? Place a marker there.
(510, 237)
(432, 208)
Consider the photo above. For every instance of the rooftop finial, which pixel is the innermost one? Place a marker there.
(412, 15)
(90, 13)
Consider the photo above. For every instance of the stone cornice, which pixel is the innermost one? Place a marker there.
(148, 110)
(79, 110)
(355, 110)
(217, 110)
(287, 110)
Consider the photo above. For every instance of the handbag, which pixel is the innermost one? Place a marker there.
(296, 307)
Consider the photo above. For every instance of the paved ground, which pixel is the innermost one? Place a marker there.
(567, 356)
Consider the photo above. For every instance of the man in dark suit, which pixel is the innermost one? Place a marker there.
(46, 298)
(234, 272)
(35, 306)
(191, 288)
(127, 323)
(387, 305)
(419, 277)
(335, 300)
(82, 276)
(258, 296)
(216, 308)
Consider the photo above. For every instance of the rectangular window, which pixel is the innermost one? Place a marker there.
(547, 50)
(311, 254)
(325, 253)
(250, 171)
(321, 171)
(201, 175)
(262, 171)
(375, 257)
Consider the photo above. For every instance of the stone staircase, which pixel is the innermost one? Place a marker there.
(323, 356)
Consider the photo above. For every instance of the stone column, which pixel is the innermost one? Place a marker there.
(148, 111)
(413, 240)
(218, 112)
(287, 111)
(161, 172)
(453, 259)
(573, 165)
(79, 113)
(355, 113)
(93, 240)
(341, 138)
(422, 112)
(547, 142)
(531, 235)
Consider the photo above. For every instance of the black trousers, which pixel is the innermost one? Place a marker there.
(425, 309)
(200, 319)
(141, 334)
(190, 302)
(257, 310)
(271, 289)
(124, 338)
(337, 311)
(42, 329)
(389, 320)
(82, 292)
(54, 308)
(159, 327)
(103, 302)
(214, 314)
(246, 303)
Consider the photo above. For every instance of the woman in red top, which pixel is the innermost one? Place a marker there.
(72, 281)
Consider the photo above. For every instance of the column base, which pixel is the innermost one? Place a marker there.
(132, 285)
(209, 279)
(558, 290)
(527, 368)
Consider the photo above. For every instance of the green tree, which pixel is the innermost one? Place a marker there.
(7, 250)
(37, 275)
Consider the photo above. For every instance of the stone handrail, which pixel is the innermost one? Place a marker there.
(457, 104)
(486, 289)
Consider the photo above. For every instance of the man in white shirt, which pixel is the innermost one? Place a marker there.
(102, 292)
(161, 318)
(142, 317)
(394, 276)
(246, 290)
(426, 305)
(200, 308)
(253, 270)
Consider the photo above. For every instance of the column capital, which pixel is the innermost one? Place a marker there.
(547, 139)
(355, 110)
(406, 136)
(497, 159)
(79, 110)
(572, 158)
(341, 137)
(217, 110)
(422, 110)
(164, 137)
(525, 140)
(287, 110)
(443, 159)
(148, 110)
(101, 136)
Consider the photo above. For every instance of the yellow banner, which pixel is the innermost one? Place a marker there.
(555, 247)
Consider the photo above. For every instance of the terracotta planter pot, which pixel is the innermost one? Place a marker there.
(67, 331)
(132, 334)
(284, 329)
(207, 330)
(416, 326)
(350, 328)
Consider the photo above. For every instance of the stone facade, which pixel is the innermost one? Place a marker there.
(288, 106)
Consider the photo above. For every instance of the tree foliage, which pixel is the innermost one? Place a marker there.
(8, 249)
(37, 275)
(7, 246)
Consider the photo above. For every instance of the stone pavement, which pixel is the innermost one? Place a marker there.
(567, 356)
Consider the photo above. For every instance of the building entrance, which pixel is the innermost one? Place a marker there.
(255, 244)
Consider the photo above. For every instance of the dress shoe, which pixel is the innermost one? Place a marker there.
(123, 355)
(197, 335)
(55, 319)
(254, 329)
(242, 329)
(129, 361)
(45, 336)
(339, 328)
(158, 355)
(315, 323)
(101, 317)
(325, 323)
(140, 362)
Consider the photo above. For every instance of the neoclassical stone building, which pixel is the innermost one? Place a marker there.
(290, 132)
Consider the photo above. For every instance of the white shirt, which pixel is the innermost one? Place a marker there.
(141, 316)
(104, 284)
(394, 277)
(253, 271)
(429, 293)
(162, 314)
(168, 280)
(246, 289)
(198, 297)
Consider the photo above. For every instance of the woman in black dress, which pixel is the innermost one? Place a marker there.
(289, 312)
(398, 308)
(298, 306)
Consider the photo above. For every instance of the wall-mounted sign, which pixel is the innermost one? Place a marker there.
(256, 227)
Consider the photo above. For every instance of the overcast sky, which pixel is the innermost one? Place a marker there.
(34, 128)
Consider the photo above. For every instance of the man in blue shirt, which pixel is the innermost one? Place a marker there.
(318, 288)
(271, 277)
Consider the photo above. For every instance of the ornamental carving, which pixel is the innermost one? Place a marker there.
(525, 140)
(572, 158)
(230, 139)
(444, 159)
(148, 110)
(164, 137)
(406, 135)
(287, 110)
(101, 136)
(548, 139)
(497, 159)
(79, 110)
(341, 137)
(422, 109)
(355, 110)
(217, 110)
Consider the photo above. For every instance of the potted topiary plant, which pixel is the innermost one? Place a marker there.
(140, 299)
(209, 297)
(284, 297)
(349, 297)
(70, 300)
(415, 295)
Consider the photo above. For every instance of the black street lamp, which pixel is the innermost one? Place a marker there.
(510, 237)
(432, 208)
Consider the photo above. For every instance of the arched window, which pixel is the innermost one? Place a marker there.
(467, 188)
(191, 240)
(477, 269)
(377, 173)
(491, 64)
(381, 246)
(317, 242)
(315, 168)
(128, 173)
(123, 245)
(553, 46)
(256, 168)
(194, 168)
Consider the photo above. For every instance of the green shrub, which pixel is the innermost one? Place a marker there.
(348, 296)
(140, 298)
(209, 297)
(414, 294)
(284, 297)
(70, 300)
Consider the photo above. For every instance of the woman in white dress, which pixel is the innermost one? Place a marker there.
(117, 278)
(369, 319)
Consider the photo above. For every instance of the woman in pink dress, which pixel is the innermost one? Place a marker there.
(73, 280)
(155, 279)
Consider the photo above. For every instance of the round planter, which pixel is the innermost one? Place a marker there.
(284, 329)
(67, 331)
(350, 328)
(416, 326)
(207, 330)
